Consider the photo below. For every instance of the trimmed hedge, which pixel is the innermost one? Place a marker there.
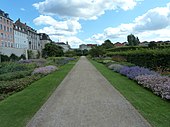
(153, 59)
(127, 48)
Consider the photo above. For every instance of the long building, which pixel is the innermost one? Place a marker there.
(20, 35)
(6, 30)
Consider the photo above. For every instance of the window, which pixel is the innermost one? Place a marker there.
(7, 29)
(11, 30)
(0, 26)
(0, 19)
(3, 44)
(4, 28)
(4, 21)
(12, 45)
(2, 35)
(9, 45)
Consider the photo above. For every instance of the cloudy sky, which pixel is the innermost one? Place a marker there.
(93, 21)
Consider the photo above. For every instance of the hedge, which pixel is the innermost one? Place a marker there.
(153, 59)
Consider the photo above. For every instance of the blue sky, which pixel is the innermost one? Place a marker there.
(93, 21)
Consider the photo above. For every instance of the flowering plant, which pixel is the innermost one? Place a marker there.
(132, 72)
(116, 67)
(160, 85)
(44, 70)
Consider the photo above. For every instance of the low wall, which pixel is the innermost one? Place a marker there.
(8, 51)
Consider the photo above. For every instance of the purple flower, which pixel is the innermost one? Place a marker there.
(44, 70)
(132, 72)
(160, 85)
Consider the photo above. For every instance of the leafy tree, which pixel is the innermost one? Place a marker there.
(70, 53)
(22, 57)
(52, 50)
(78, 52)
(30, 54)
(152, 45)
(85, 52)
(107, 44)
(13, 57)
(132, 40)
(97, 51)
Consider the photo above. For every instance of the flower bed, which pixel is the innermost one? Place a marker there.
(159, 85)
(132, 72)
(116, 67)
(44, 70)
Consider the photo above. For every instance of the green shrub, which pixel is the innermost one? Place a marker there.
(7, 87)
(152, 59)
(14, 66)
(14, 75)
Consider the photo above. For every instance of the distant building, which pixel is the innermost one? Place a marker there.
(33, 39)
(86, 46)
(118, 44)
(44, 39)
(65, 46)
(20, 35)
(6, 30)
(145, 43)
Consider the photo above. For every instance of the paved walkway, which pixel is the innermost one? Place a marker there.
(86, 99)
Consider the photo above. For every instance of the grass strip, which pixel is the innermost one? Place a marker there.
(18, 109)
(155, 110)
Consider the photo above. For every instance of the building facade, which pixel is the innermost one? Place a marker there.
(6, 30)
(86, 46)
(44, 39)
(66, 47)
(20, 35)
(33, 39)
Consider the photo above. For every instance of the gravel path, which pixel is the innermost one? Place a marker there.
(86, 99)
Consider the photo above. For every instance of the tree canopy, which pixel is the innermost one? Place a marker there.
(52, 50)
(107, 44)
(132, 40)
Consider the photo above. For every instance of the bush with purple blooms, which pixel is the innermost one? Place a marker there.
(44, 70)
(132, 72)
(160, 85)
(116, 67)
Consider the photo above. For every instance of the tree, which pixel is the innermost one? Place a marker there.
(132, 40)
(107, 44)
(52, 50)
(30, 54)
(22, 57)
(13, 57)
(96, 51)
(70, 53)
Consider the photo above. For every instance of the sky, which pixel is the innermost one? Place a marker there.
(93, 21)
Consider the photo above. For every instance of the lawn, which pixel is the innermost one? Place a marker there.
(18, 109)
(155, 110)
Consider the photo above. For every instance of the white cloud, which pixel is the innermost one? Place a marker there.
(62, 31)
(73, 41)
(153, 25)
(22, 9)
(84, 9)
(54, 27)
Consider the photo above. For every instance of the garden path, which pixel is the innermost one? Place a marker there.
(86, 99)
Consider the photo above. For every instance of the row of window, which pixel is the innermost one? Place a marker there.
(5, 21)
(5, 28)
(20, 34)
(6, 36)
(13, 45)
(20, 29)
